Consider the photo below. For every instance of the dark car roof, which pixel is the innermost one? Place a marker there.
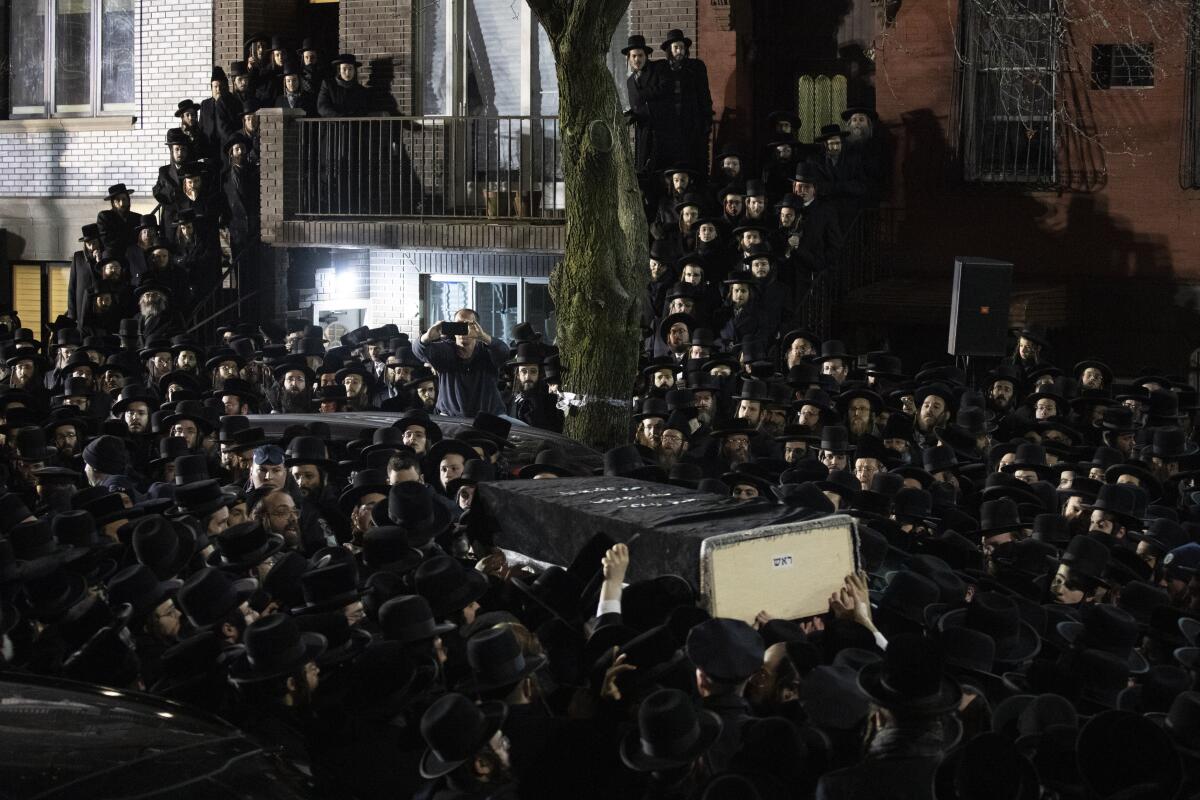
(527, 440)
(61, 739)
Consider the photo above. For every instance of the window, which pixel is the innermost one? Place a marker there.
(500, 302)
(1122, 65)
(1189, 161)
(39, 292)
(1008, 90)
(71, 58)
(491, 58)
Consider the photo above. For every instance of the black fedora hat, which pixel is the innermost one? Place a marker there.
(447, 585)
(999, 617)
(199, 499)
(1120, 500)
(998, 516)
(497, 661)
(275, 647)
(1109, 629)
(671, 733)
(162, 545)
(306, 450)
(138, 586)
(1086, 556)
(411, 506)
(388, 548)
(366, 481)
(626, 461)
(328, 588)
(209, 594)
(243, 547)
(835, 439)
(454, 729)
(637, 42)
(911, 678)
(408, 619)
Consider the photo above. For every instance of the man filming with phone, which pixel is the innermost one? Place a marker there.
(468, 363)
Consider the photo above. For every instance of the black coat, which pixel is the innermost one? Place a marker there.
(169, 185)
(821, 238)
(220, 118)
(646, 89)
(340, 99)
(203, 145)
(80, 283)
(241, 188)
(116, 229)
(687, 112)
(305, 101)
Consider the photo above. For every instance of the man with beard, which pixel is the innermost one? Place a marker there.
(935, 404)
(156, 318)
(291, 394)
(1001, 389)
(240, 183)
(645, 90)
(674, 337)
(835, 361)
(169, 185)
(223, 365)
(238, 398)
(705, 394)
(530, 401)
(1093, 374)
(798, 345)
(85, 271)
(66, 436)
(796, 440)
(308, 463)
(733, 446)
(157, 357)
(116, 223)
(355, 379)
(820, 238)
(673, 441)
(220, 112)
(864, 143)
(859, 407)
(423, 391)
(295, 518)
(687, 101)
(24, 375)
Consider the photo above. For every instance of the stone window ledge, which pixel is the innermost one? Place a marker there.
(114, 123)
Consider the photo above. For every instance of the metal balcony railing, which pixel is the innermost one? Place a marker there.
(388, 167)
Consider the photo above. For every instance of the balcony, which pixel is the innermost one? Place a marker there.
(488, 182)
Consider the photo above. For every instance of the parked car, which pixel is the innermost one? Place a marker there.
(526, 440)
(61, 739)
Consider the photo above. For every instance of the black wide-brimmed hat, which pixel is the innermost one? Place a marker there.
(199, 499)
(328, 587)
(411, 506)
(138, 586)
(497, 661)
(209, 594)
(448, 586)
(637, 42)
(454, 728)
(116, 190)
(243, 547)
(835, 439)
(999, 617)
(910, 678)
(366, 481)
(671, 733)
(408, 619)
(162, 545)
(345, 58)
(1107, 628)
(275, 647)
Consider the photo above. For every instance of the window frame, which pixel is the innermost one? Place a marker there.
(982, 118)
(520, 282)
(458, 67)
(1106, 58)
(95, 70)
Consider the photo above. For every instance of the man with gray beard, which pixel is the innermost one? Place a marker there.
(864, 142)
(156, 318)
(672, 445)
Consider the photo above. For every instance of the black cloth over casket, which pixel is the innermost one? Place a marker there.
(551, 520)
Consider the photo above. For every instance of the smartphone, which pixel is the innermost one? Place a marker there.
(454, 329)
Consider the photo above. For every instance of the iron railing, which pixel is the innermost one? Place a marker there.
(223, 302)
(868, 255)
(383, 167)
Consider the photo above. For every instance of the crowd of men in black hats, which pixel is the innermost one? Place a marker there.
(156, 267)
(1026, 621)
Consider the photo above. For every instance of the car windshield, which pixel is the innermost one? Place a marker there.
(60, 742)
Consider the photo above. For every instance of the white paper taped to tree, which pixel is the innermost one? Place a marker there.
(787, 570)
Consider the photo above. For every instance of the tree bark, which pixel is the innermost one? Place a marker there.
(597, 284)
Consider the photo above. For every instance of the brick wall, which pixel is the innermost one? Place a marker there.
(380, 33)
(234, 20)
(173, 63)
(653, 18)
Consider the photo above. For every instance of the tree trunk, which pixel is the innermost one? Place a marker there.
(596, 286)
